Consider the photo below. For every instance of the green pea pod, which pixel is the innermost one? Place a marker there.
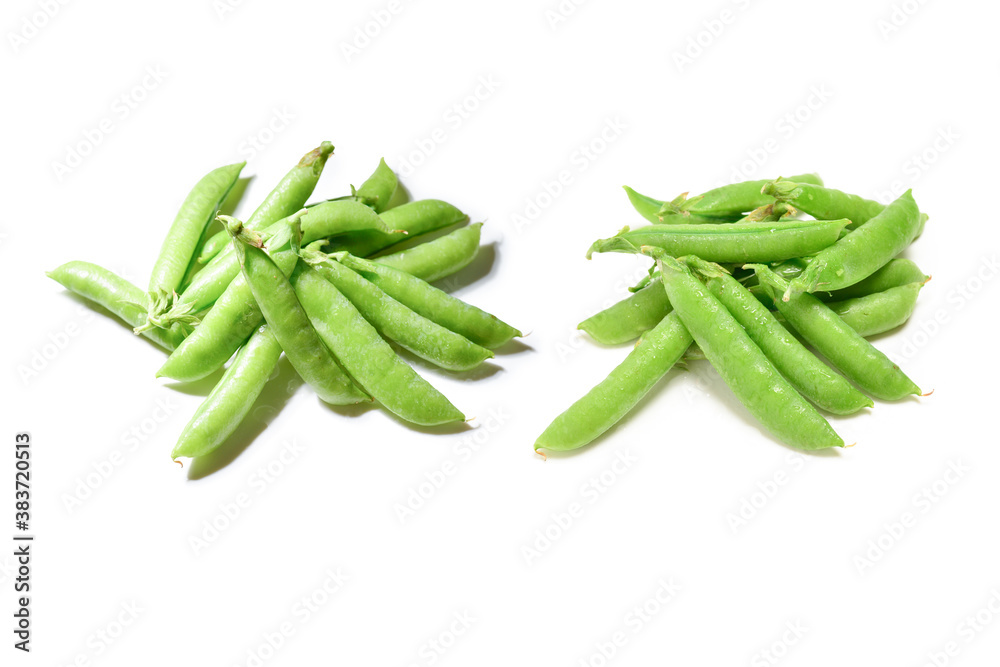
(651, 209)
(377, 190)
(844, 347)
(424, 299)
(287, 197)
(439, 258)
(117, 295)
(896, 272)
(412, 219)
(369, 359)
(227, 406)
(747, 371)
(862, 252)
(178, 249)
(731, 201)
(424, 338)
(878, 312)
(288, 321)
(823, 203)
(771, 241)
(604, 405)
(810, 376)
(630, 317)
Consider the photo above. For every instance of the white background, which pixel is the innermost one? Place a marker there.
(780, 87)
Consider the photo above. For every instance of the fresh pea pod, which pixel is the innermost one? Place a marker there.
(604, 405)
(730, 201)
(117, 295)
(424, 338)
(846, 349)
(178, 249)
(369, 359)
(287, 197)
(377, 191)
(288, 321)
(412, 219)
(652, 209)
(823, 203)
(862, 252)
(896, 272)
(232, 398)
(630, 317)
(878, 312)
(441, 257)
(771, 242)
(747, 371)
(424, 299)
(810, 376)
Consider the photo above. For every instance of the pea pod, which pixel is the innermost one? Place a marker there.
(823, 203)
(231, 399)
(412, 219)
(117, 295)
(287, 197)
(630, 317)
(653, 210)
(377, 191)
(747, 371)
(878, 312)
(368, 358)
(439, 258)
(770, 242)
(846, 349)
(604, 405)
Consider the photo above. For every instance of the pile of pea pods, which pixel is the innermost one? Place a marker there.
(781, 306)
(324, 283)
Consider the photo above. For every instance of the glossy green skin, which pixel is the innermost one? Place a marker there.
(441, 257)
(733, 242)
(823, 203)
(181, 242)
(412, 219)
(117, 295)
(223, 330)
(369, 359)
(865, 250)
(286, 198)
(815, 380)
(604, 405)
(291, 327)
(377, 190)
(652, 210)
(232, 398)
(738, 198)
(844, 347)
(630, 317)
(332, 218)
(880, 311)
(747, 371)
(897, 272)
(436, 305)
(424, 338)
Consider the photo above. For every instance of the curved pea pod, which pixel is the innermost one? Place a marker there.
(823, 203)
(895, 273)
(630, 317)
(604, 405)
(291, 194)
(231, 399)
(653, 210)
(335, 217)
(844, 347)
(117, 295)
(862, 252)
(377, 190)
(732, 200)
(743, 366)
(723, 243)
(439, 258)
(436, 305)
(369, 359)
(878, 312)
(412, 219)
